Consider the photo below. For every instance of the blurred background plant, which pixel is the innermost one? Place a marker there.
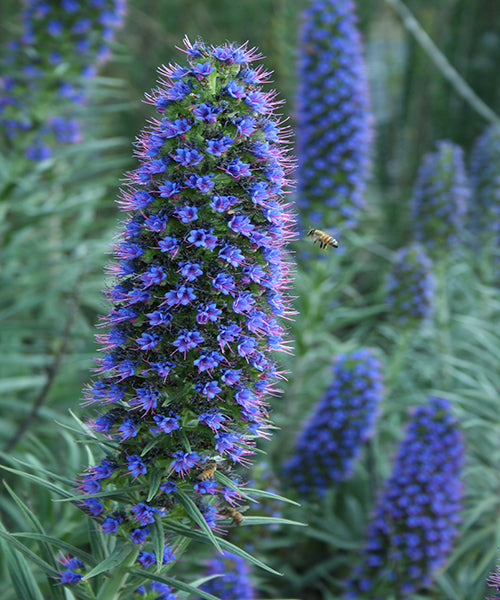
(432, 326)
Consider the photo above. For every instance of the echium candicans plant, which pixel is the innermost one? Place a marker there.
(194, 315)
(484, 212)
(411, 286)
(440, 197)
(341, 422)
(416, 516)
(333, 117)
(233, 579)
(46, 71)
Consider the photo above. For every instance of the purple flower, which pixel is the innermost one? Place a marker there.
(169, 189)
(410, 286)
(174, 128)
(166, 424)
(187, 157)
(186, 214)
(235, 581)
(241, 224)
(334, 122)
(218, 146)
(206, 112)
(187, 362)
(202, 238)
(111, 523)
(136, 466)
(439, 202)
(416, 516)
(39, 111)
(340, 423)
(483, 213)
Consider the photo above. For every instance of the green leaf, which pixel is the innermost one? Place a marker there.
(158, 539)
(154, 483)
(198, 536)
(271, 495)
(38, 469)
(45, 549)
(118, 494)
(194, 512)
(17, 545)
(270, 520)
(228, 482)
(67, 547)
(248, 557)
(101, 543)
(16, 384)
(22, 579)
(174, 583)
(115, 559)
(38, 480)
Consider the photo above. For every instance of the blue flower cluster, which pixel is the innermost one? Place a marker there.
(342, 421)
(417, 513)
(235, 582)
(156, 591)
(334, 121)
(484, 211)
(199, 276)
(411, 286)
(440, 197)
(74, 569)
(44, 74)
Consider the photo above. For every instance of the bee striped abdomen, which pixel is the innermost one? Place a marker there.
(323, 238)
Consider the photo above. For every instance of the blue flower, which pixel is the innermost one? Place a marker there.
(74, 571)
(235, 580)
(411, 286)
(440, 197)
(193, 313)
(334, 122)
(484, 210)
(79, 37)
(416, 516)
(341, 422)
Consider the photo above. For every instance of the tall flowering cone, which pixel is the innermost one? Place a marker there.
(411, 286)
(45, 71)
(484, 211)
(233, 582)
(416, 516)
(341, 422)
(440, 197)
(187, 364)
(334, 120)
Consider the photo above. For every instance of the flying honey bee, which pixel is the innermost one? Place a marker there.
(233, 513)
(208, 472)
(323, 238)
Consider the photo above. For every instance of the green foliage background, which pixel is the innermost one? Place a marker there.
(55, 231)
